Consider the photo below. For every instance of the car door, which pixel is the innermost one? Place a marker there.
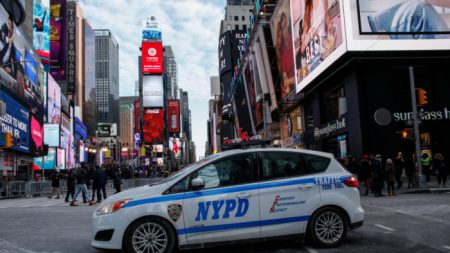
(286, 193)
(227, 208)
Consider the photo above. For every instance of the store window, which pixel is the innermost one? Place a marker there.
(334, 104)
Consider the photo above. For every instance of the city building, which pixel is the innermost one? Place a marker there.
(106, 76)
(185, 115)
(170, 73)
(238, 14)
(126, 126)
(89, 106)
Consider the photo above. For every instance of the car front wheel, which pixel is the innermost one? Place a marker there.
(328, 227)
(150, 235)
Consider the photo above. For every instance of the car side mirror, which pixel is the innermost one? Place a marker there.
(198, 183)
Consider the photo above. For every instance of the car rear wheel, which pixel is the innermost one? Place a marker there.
(328, 227)
(150, 235)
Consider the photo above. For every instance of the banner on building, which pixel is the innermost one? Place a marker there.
(58, 39)
(174, 115)
(71, 47)
(15, 121)
(151, 30)
(41, 29)
(152, 89)
(152, 57)
(153, 126)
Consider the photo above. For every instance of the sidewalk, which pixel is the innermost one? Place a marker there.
(425, 187)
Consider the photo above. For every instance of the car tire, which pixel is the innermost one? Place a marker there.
(327, 227)
(154, 233)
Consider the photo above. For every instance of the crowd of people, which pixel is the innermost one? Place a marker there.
(375, 172)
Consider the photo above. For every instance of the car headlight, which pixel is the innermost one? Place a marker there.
(111, 207)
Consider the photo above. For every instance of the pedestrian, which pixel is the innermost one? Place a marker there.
(399, 164)
(94, 184)
(378, 175)
(82, 176)
(100, 181)
(426, 166)
(117, 180)
(441, 166)
(365, 173)
(55, 177)
(410, 169)
(70, 185)
(390, 177)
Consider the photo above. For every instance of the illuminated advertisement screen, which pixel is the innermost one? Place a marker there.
(387, 25)
(58, 39)
(51, 135)
(151, 30)
(60, 159)
(242, 114)
(318, 37)
(174, 116)
(41, 28)
(15, 121)
(53, 101)
(152, 89)
(152, 57)
(37, 136)
(153, 126)
(47, 162)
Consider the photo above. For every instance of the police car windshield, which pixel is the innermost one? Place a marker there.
(183, 171)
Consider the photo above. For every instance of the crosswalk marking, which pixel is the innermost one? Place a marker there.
(34, 202)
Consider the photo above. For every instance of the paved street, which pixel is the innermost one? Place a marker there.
(406, 223)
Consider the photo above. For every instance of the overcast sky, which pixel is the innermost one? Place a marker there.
(191, 27)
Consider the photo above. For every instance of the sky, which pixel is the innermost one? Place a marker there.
(191, 27)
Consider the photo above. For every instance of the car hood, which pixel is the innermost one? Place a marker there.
(135, 193)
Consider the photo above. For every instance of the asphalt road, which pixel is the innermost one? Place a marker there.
(406, 223)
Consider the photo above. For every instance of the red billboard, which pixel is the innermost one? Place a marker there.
(136, 116)
(152, 57)
(153, 126)
(174, 116)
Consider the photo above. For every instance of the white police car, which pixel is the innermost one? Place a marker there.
(237, 195)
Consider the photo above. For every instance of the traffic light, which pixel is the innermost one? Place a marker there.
(421, 97)
(8, 140)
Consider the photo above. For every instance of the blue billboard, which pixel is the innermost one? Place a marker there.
(30, 68)
(47, 162)
(80, 130)
(16, 121)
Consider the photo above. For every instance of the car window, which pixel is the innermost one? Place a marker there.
(280, 165)
(316, 163)
(226, 172)
(181, 186)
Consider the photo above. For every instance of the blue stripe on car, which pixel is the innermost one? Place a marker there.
(247, 224)
(205, 193)
(197, 194)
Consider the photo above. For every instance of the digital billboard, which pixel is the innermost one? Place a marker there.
(47, 162)
(41, 29)
(152, 57)
(106, 129)
(242, 115)
(392, 24)
(153, 126)
(37, 136)
(15, 121)
(60, 159)
(71, 47)
(281, 27)
(174, 115)
(65, 105)
(51, 135)
(150, 30)
(58, 39)
(53, 101)
(19, 64)
(152, 89)
(318, 38)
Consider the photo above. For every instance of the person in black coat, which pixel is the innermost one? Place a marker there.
(378, 176)
(117, 180)
(70, 185)
(55, 177)
(100, 181)
(440, 165)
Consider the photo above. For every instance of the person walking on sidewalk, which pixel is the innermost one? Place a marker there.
(390, 177)
(378, 175)
(365, 173)
(410, 169)
(70, 185)
(426, 165)
(441, 166)
(55, 177)
(399, 164)
(117, 180)
(100, 180)
(82, 177)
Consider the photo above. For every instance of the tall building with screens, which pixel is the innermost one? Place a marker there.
(170, 71)
(106, 76)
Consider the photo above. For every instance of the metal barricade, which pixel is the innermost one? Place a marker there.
(38, 189)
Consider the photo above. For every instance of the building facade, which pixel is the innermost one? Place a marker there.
(106, 76)
(89, 105)
(170, 73)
